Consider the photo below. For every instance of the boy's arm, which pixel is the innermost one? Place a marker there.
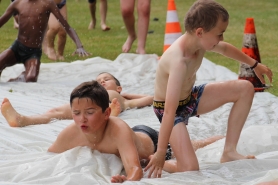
(129, 155)
(7, 15)
(133, 96)
(175, 82)
(231, 51)
(62, 143)
(139, 100)
(70, 31)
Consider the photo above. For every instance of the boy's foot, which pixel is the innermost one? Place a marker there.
(51, 53)
(115, 107)
(140, 51)
(13, 118)
(233, 156)
(128, 43)
(104, 27)
(60, 57)
(92, 25)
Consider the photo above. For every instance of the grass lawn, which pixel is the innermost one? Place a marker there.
(108, 44)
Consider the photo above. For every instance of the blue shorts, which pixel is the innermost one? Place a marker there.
(187, 108)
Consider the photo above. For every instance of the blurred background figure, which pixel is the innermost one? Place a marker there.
(103, 13)
(143, 11)
(55, 28)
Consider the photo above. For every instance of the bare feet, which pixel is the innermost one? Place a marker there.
(104, 27)
(140, 51)
(202, 143)
(13, 118)
(233, 155)
(115, 107)
(60, 57)
(92, 24)
(51, 53)
(128, 43)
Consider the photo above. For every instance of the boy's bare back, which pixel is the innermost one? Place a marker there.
(33, 19)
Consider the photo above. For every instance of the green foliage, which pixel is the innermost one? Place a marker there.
(108, 44)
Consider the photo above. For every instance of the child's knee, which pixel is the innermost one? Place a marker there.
(246, 87)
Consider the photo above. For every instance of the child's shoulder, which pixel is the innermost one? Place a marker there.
(116, 126)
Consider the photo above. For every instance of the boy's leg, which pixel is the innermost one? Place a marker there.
(32, 69)
(92, 8)
(127, 9)
(7, 58)
(239, 92)
(62, 35)
(103, 13)
(53, 29)
(186, 159)
(143, 9)
(17, 120)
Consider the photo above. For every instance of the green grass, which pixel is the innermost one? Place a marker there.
(108, 44)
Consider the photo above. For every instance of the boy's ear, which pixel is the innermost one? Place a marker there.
(199, 32)
(107, 113)
(119, 89)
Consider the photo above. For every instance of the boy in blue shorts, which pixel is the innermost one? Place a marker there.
(176, 98)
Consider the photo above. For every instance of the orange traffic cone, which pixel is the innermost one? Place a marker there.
(250, 48)
(172, 28)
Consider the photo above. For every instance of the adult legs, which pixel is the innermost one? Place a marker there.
(143, 9)
(127, 9)
(92, 8)
(103, 13)
(240, 93)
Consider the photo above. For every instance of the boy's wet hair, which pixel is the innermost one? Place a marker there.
(93, 91)
(116, 80)
(204, 14)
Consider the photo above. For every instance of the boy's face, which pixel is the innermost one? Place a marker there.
(108, 82)
(87, 115)
(211, 38)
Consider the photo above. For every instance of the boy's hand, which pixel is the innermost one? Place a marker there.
(81, 52)
(263, 69)
(118, 178)
(156, 165)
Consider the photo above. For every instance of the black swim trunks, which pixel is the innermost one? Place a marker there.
(153, 134)
(23, 53)
(60, 5)
(91, 1)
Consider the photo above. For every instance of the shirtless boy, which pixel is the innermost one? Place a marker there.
(95, 128)
(33, 19)
(176, 98)
(118, 104)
